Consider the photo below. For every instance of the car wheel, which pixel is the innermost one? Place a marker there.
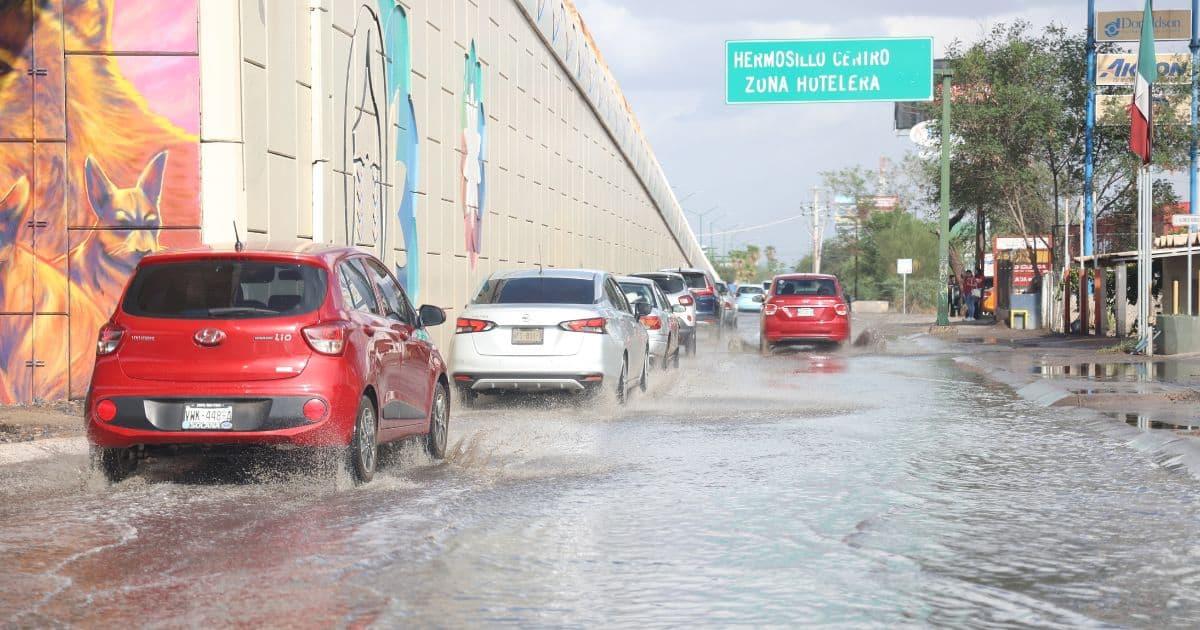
(645, 382)
(439, 423)
(116, 464)
(363, 452)
(678, 351)
(468, 397)
(621, 395)
(691, 344)
(764, 346)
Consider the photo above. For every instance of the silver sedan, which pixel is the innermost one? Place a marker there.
(550, 330)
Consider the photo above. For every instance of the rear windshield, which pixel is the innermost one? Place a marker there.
(755, 290)
(820, 287)
(224, 289)
(537, 290)
(669, 284)
(695, 280)
(641, 292)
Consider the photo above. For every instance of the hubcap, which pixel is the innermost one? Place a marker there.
(366, 438)
(440, 426)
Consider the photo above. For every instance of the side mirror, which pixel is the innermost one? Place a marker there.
(760, 299)
(678, 308)
(642, 309)
(431, 315)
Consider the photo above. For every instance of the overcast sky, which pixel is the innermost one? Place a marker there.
(759, 162)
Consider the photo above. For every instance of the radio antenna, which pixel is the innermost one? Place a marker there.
(238, 245)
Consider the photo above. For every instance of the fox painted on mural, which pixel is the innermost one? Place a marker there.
(117, 178)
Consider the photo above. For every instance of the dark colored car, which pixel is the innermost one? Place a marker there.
(804, 308)
(311, 345)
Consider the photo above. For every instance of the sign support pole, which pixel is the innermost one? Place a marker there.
(904, 299)
(943, 304)
(1089, 132)
(1194, 45)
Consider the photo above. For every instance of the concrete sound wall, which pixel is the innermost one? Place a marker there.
(452, 137)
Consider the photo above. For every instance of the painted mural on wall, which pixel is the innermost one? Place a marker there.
(406, 145)
(99, 165)
(473, 122)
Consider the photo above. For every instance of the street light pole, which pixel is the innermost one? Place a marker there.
(943, 308)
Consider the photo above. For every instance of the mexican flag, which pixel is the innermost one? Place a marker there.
(1141, 124)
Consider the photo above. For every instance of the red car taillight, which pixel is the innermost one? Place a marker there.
(841, 309)
(652, 322)
(106, 410)
(467, 325)
(593, 325)
(108, 340)
(686, 300)
(769, 309)
(702, 292)
(327, 337)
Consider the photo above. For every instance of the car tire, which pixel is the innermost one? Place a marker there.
(622, 395)
(678, 351)
(115, 464)
(439, 423)
(468, 397)
(644, 384)
(764, 346)
(691, 344)
(363, 452)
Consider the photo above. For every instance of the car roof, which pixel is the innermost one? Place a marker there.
(579, 274)
(297, 249)
(805, 276)
(656, 274)
(635, 280)
(682, 270)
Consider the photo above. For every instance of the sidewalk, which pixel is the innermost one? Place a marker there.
(1083, 371)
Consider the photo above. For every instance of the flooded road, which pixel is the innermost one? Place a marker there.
(855, 489)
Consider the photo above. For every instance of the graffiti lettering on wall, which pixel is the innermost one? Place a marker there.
(473, 122)
(99, 165)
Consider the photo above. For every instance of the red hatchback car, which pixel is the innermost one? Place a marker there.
(804, 308)
(306, 345)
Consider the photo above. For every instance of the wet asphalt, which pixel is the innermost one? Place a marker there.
(864, 487)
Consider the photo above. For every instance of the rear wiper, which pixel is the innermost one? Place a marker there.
(228, 311)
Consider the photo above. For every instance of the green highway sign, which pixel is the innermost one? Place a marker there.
(829, 70)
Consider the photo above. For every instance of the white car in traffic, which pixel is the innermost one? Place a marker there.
(550, 330)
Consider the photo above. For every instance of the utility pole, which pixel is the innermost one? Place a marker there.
(943, 309)
(816, 233)
(700, 223)
(1194, 46)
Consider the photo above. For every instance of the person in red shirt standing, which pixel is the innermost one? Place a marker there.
(970, 286)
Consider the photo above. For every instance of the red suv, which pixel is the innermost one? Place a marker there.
(804, 308)
(311, 345)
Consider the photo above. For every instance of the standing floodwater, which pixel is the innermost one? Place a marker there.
(852, 489)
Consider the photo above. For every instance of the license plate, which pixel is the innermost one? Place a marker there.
(804, 312)
(527, 336)
(203, 417)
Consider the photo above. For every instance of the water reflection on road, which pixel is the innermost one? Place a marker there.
(849, 488)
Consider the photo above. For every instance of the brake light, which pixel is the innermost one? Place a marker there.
(106, 410)
(769, 309)
(593, 325)
(328, 337)
(467, 325)
(841, 309)
(108, 340)
(652, 322)
(686, 300)
(702, 292)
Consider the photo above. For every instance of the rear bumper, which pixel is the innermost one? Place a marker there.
(264, 412)
(837, 331)
(597, 362)
(258, 420)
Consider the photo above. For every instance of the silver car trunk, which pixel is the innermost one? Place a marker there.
(513, 334)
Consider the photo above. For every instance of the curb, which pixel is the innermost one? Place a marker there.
(21, 452)
(1166, 449)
